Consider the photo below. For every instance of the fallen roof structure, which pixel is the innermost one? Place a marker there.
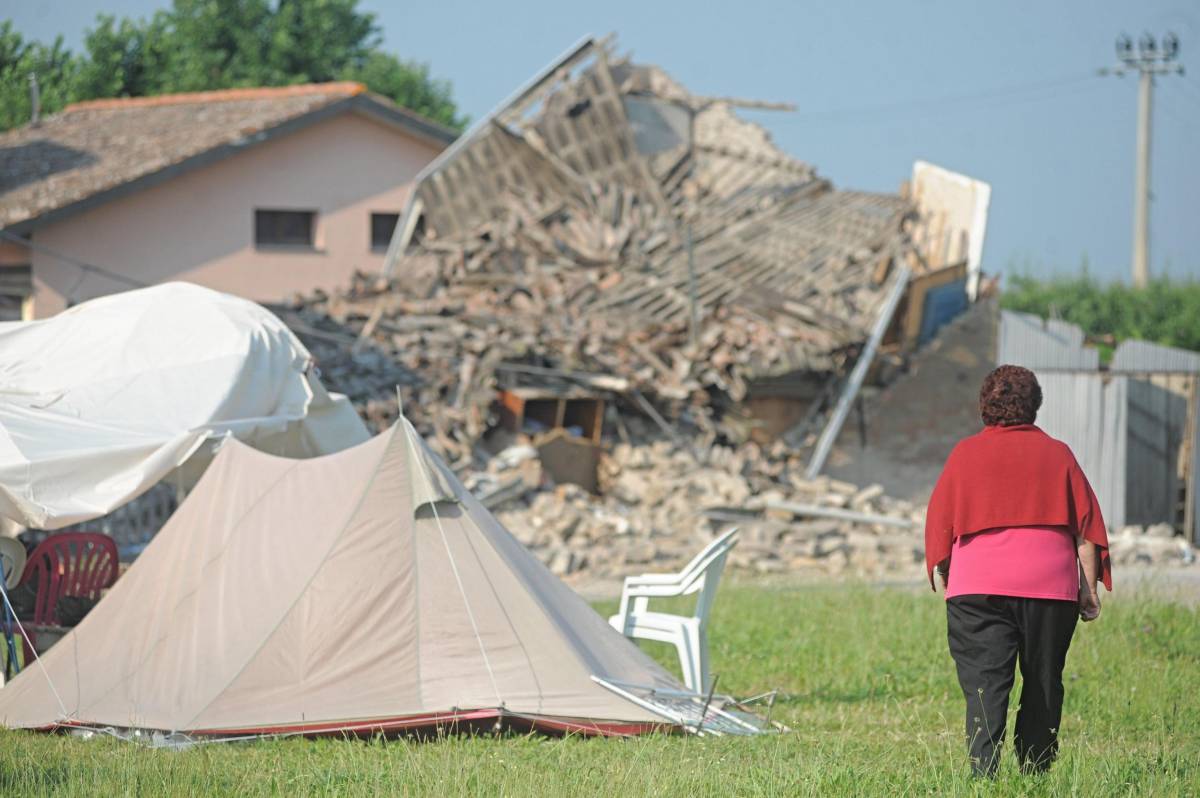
(654, 209)
(362, 592)
(604, 228)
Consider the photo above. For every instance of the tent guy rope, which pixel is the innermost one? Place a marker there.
(62, 706)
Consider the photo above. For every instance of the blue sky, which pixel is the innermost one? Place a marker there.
(1001, 91)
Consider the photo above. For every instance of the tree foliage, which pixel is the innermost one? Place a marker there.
(198, 45)
(1165, 311)
(54, 65)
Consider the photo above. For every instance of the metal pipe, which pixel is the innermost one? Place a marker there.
(830, 433)
(35, 101)
(797, 508)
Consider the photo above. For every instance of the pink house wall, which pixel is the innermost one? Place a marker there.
(199, 226)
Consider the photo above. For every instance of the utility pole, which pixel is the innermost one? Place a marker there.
(1149, 60)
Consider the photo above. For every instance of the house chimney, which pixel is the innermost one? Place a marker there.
(35, 101)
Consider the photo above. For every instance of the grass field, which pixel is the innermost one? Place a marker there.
(869, 691)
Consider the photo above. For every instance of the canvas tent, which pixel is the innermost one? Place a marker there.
(102, 401)
(361, 590)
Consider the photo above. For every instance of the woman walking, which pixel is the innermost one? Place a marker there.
(1016, 535)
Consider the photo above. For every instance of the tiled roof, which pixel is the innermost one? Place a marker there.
(95, 147)
(344, 88)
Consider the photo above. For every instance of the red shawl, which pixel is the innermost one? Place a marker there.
(1012, 477)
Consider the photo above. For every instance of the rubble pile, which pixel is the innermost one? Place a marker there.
(660, 508)
(608, 232)
(1156, 544)
(661, 497)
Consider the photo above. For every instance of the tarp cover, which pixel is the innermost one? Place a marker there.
(364, 587)
(102, 401)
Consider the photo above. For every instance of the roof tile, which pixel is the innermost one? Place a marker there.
(95, 146)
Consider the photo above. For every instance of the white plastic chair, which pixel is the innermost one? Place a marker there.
(687, 634)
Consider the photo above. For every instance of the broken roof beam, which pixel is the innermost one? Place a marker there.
(738, 102)
(519, 99)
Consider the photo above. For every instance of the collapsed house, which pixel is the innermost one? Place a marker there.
(609, 256)
(611, 230)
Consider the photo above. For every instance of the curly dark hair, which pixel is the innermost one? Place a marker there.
(1010, 395)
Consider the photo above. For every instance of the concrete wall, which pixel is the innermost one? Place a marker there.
(199, 226)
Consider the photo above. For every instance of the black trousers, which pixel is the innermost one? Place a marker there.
(988, 636)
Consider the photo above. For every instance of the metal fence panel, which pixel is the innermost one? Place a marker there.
(1026, 340)
(1194, 473)
(1087, 412)
(1145, 356)
(1157, 420)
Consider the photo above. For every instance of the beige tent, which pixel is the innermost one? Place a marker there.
(360, 591)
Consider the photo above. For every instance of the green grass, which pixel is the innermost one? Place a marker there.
(869, 692)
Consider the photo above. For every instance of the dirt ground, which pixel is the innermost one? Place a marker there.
(914, 422)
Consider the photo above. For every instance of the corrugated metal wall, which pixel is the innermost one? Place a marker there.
(1195, 472)
(1026, 340)
(1145, 356)
(1087, 411)
(1157, 422)
(1128, 426)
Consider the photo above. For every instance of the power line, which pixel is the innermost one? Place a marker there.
(1019, 92)
(79, 264)
(1190, 86)
(1178, 115)
(1193, 100)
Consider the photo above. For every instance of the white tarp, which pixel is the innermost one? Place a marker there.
(102, 401)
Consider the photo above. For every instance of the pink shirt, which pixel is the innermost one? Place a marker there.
(1033, 562)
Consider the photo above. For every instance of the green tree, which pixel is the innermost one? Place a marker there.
(219, 44)
(125, 58)
(317, 40)
(215, 44)
(409, 84)
(1165, 311)
(54, 67)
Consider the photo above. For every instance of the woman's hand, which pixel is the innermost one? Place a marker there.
(1089, 602)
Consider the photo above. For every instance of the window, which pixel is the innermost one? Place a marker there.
(16, 288)
(284, 228)
(382, 225)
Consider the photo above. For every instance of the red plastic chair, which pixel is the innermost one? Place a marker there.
(69, 564)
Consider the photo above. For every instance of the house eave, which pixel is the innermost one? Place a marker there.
(415, 126)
